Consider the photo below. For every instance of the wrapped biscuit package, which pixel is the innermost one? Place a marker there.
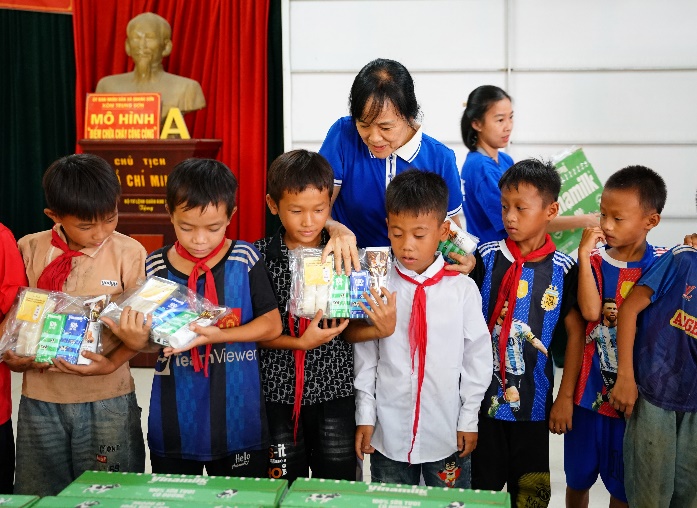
(50, 324)
(459, 241)
(174, 308)
(316, 285)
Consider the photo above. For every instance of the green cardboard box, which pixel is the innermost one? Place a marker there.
(344, 494)
(89, 502)
(580, 194)
(212, 490)
(17, 501)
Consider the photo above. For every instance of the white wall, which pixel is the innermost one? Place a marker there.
(617, 78)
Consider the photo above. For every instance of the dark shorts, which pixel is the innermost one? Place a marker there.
(325, 440)
(247, 463)
(515, 454)
(593, 447)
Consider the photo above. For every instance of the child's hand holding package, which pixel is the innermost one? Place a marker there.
(18, 363)
(382, 313)
(133, 328)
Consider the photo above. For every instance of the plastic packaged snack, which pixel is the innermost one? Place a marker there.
(311, 282)
(50, 324)
(459, 241)
(94, 327)
(316, 285)
(173, 307)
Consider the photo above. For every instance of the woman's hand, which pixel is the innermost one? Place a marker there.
(342, 243)
(464, 265)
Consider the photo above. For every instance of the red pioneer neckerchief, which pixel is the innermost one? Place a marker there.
(210, 293)
(299, 356)
(418, 337)
(508, 293)
(57, 271)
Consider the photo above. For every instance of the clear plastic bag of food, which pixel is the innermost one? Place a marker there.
(174, 307)
(316, 285)
(51, 324)
(459, 241)
(311, 282)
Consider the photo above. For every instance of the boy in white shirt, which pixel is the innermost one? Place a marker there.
(419, 388)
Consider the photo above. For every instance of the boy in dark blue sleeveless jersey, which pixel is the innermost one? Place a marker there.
(207, 408)
(630, 206)
(528, 289)
(660, 451)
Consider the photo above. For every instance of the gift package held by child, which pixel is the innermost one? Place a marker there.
(173, 308)
(51, 324)
(459, 241)
(316, 285)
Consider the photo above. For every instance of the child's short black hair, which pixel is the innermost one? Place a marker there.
(197, 183)
(540, 174)
(417, 192)
(82, 185)
(297, 170)
(649, 186)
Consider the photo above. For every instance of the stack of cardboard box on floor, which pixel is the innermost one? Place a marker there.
(129, 490)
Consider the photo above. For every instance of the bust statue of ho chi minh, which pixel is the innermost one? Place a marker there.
(148, 40)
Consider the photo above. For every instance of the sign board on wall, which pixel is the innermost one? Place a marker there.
(123, 116)
(580, 194)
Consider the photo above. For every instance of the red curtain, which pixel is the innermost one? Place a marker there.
(222, 44)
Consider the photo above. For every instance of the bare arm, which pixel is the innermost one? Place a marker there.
(562, 409)
(564, 222)
(589, 300)
(624, 393)
(342, 241)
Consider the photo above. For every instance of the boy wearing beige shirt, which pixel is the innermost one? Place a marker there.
(77, 418)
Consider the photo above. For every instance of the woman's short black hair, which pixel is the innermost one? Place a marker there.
(417, 192)
(478, 103)
(540, 174)
(81, 185)
(297, 170)
(379, 82)
(197, 183)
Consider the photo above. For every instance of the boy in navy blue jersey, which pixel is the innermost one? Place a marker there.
(657, 354)
(528, 289)
(207, 407)
(311, 418)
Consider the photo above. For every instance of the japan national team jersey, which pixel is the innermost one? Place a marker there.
(665, 348)
(599, 368)
(208, 418)
(546, 293)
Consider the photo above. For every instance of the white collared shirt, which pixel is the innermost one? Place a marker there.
(458, 370)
